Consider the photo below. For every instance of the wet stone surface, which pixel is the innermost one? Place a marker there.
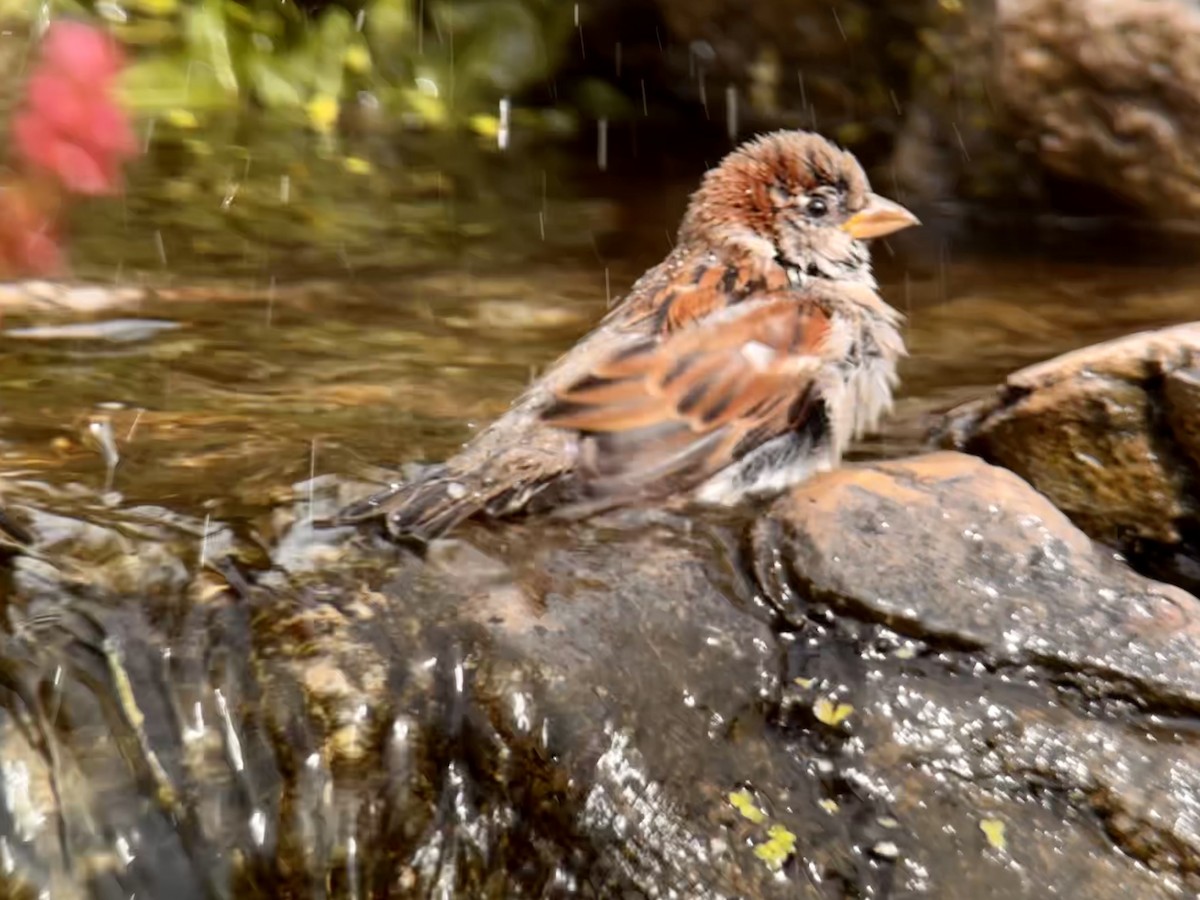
(905, 678)
(1109, 434)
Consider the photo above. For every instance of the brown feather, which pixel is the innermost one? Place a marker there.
(690, 402)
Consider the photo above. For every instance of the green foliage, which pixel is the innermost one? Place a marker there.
(433, 63)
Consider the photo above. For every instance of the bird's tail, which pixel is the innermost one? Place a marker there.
(422, 509)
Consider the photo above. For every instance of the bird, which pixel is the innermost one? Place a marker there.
(742, 364)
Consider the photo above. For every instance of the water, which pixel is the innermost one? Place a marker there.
(385, 320)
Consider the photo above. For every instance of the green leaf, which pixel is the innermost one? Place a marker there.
(159, 83)
(327, 49)
(993, 830)
(775, 851)
(832, 713)
(271, 84)
(209, 42)
(388, 23)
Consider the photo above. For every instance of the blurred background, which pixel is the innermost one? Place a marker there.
(363, 224)
(357, 228)
(257, 255)
(1009, 108)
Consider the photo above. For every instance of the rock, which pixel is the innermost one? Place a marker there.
(907, 678)
(947, 547)
(1048, 639)
(1181, 391)
(1108, 433)
(1106, 93)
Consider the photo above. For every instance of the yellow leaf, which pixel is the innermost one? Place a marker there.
(488, 126)
(993, 830)
(428, 107)
(830, 806)
(830, 713)
(743, 802)
(780, 844)
(182, 118)
(356, 165)
(157, 7)
(805, 683)
(357, 59)
(322, 113)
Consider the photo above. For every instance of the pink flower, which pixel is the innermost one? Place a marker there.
(82, 51)
(70, 125)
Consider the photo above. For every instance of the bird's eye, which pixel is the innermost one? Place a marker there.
(816, 207)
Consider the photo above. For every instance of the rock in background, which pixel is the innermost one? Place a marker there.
(1109, 434)
(1108, 94)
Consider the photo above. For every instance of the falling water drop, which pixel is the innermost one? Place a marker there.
(204, 540)
(270, 301)
(838, 20)
(731, 112)
(312, 481)
(502, 129)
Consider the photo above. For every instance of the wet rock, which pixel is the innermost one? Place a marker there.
(1105, 92)
(1108, 433)
(1024, 664)
(912, 677)
(1181, 391)
(50, 296)
(946, 547)
(113, 330)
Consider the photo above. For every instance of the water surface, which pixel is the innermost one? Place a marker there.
(349, 322)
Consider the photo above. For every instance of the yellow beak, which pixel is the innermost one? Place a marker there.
(879, 217)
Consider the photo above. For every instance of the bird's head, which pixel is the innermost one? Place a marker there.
(799, 199)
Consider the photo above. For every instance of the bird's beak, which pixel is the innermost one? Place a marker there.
(879, 217)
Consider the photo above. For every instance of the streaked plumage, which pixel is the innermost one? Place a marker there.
(741, 364)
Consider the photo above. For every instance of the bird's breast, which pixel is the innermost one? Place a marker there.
(868, 371)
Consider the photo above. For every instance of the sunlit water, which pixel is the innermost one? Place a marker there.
(382, 322)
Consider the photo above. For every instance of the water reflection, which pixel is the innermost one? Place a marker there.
(402, 356)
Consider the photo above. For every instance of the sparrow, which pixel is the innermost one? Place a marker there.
(744, 362)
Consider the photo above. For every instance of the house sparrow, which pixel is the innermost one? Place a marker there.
(738, 366)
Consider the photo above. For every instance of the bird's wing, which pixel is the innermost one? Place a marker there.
(666, 412)
(696, 287)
